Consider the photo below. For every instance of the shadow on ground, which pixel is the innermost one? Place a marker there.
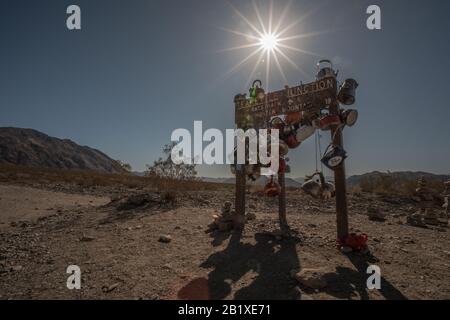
(271, 260)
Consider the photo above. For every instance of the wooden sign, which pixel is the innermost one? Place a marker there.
(310, 98)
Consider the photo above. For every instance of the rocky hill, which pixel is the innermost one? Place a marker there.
(399, 176)
(33, 148)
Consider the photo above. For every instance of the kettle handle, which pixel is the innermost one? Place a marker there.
(257, 81)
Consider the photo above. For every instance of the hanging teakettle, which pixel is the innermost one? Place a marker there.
(347, 92)
(334, 156)
(304, 132)
(293, 118)
(256, 92)
(329, 120)
(271, 189)
(318, 189)
(349, 117)
(292, 141)
(312, 188)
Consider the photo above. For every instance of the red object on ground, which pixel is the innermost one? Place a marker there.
(355, 241)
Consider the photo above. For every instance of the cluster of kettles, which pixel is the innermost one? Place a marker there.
(296, 127)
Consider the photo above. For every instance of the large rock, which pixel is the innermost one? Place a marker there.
(312, 278)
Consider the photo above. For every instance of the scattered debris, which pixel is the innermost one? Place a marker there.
(431, 218)
(416, 220)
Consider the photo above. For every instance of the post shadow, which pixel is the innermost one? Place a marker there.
(272, 261)
(388, 290)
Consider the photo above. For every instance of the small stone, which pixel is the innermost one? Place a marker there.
(16, 268)
(86, 238)
(110, 288)
(165, 238)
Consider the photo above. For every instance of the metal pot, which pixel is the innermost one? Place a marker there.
(329, 120)
(304, 132)
(349, 117)
(347, 92)
(334, 156)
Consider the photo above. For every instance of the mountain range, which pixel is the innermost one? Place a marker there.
(29, 147)
(33, 148)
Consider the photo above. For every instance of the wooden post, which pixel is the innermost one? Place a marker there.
(282, 203)
(239, 215)
(340, 183)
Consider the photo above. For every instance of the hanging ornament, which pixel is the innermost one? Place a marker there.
(277, 123)
(293, 118)
(292, 141)
(349, 117)
(329, 120)
(347, 92)
(257, 93)
(328, 190)
(334, 156)
(304, 132)
(312, 187)
(272, 189)
(319, 188)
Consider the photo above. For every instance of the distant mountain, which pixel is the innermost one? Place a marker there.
(29, 147)
(400, 175)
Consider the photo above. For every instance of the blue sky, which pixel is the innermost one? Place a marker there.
(140, 69)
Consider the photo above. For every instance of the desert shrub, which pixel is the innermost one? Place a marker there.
(126, 166)
(166, 170)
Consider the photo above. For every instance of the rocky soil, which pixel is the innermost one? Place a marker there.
(139, 244)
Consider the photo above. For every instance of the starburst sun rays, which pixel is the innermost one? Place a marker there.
(270, 42)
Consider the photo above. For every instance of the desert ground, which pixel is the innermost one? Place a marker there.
(135, 242)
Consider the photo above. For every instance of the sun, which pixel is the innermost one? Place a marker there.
(269, 42)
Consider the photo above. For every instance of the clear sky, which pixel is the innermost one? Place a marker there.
(140, 69)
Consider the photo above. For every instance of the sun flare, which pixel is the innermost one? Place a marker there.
(271, 42)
